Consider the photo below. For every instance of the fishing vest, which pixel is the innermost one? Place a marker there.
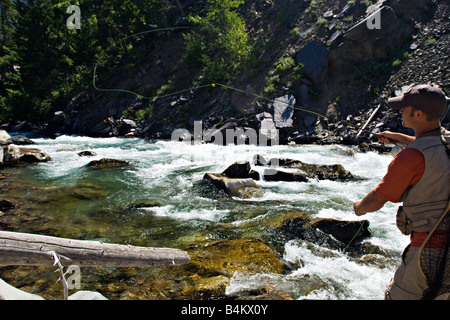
(425, 203)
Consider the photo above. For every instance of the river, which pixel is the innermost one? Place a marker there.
(70, 200)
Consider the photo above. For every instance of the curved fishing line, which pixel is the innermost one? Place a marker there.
(360, 228)
(153, 30)
(213, 85)
(270, 100)
(139, 96)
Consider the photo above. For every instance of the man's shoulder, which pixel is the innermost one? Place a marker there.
(409, 154)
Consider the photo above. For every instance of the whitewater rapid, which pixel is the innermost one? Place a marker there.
(171, 172)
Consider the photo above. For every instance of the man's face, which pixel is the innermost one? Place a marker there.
(408, 115)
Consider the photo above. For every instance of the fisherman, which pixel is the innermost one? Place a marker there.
(418, 176)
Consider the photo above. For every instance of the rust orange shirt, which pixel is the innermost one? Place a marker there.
(405, 169)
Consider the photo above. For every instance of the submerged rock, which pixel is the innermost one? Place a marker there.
(87, 153)
(225, 257)
(207, 275)
(107, 163)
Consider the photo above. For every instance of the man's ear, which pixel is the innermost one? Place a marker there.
(419, 114)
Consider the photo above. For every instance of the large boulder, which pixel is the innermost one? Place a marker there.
(11, 154)
(8, 292)
(302, 171)
(336, 234)
(241, 169)
(283, 111)
(107, 163)
(4, 137)
(33, 155)
(314, 58)
(367, 41)
(234, 187)
(280, 175)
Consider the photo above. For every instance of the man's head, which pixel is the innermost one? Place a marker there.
(429, 99)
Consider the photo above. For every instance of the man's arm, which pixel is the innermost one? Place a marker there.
(395, 137)
(371, 202)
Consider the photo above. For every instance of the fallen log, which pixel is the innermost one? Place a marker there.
(26, 249)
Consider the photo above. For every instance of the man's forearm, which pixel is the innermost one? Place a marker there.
(371, 202)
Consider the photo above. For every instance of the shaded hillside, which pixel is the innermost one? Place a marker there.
(321, 52)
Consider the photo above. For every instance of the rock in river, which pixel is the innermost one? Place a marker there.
(106, 163)
(326, 232)
(234, 187)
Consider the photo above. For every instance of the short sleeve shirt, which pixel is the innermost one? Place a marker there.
(405, 170)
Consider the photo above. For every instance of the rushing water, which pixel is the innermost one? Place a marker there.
(95, 204)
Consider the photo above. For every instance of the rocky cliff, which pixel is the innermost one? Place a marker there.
(352, 56)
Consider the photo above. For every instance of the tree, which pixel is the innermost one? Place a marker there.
(221, 46)
(55, 62)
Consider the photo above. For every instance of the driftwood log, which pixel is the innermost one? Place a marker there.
(24, 249)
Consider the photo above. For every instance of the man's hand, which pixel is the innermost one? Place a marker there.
(356, 208)
(394, 137)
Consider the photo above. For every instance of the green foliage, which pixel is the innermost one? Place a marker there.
(396, 63)
(195, 48)
(285, 68)
(55, 62)
(220, 47)
(285, 64)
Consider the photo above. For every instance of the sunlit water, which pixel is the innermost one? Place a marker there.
(169, 175)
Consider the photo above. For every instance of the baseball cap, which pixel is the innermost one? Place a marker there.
(428, 98)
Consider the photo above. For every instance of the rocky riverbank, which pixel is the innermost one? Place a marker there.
(347, 70)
